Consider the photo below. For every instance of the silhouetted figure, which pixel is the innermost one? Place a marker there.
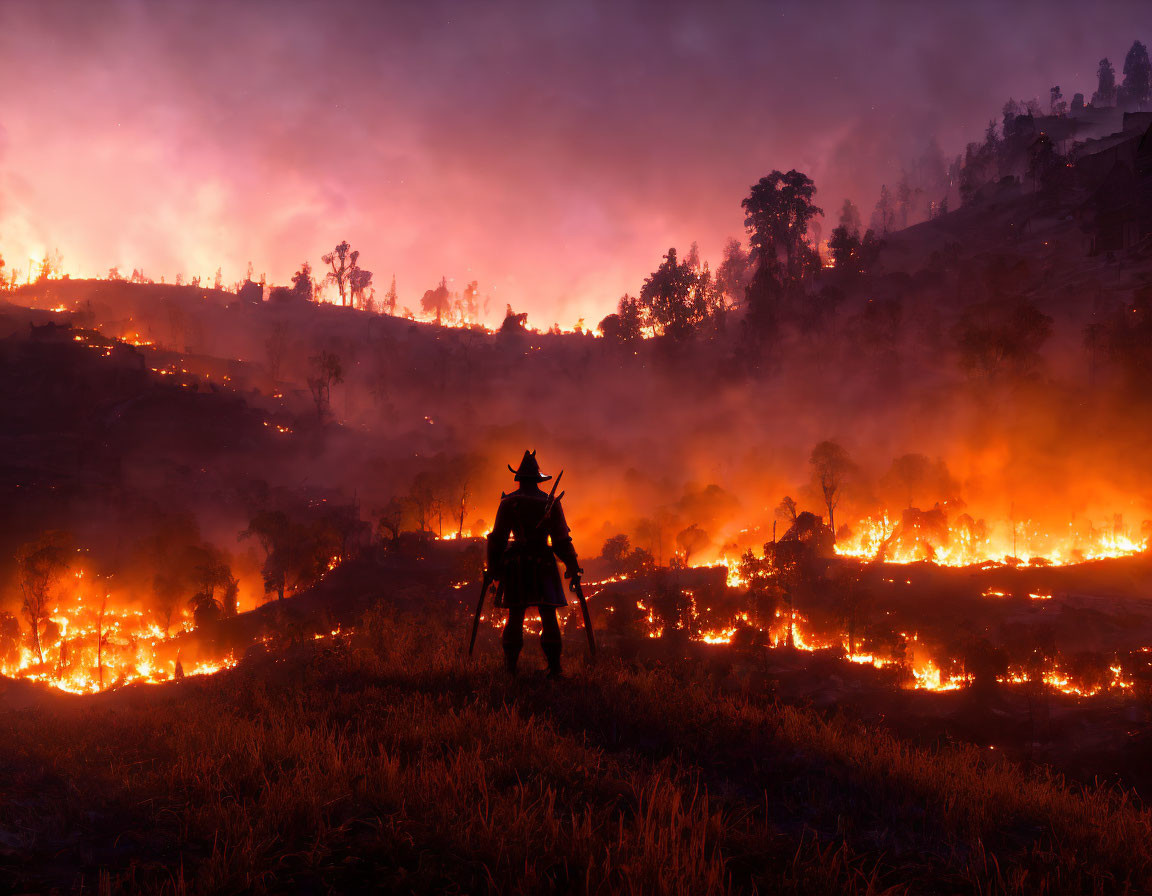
(528, 531)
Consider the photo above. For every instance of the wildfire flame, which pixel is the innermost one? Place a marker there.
(962, 544)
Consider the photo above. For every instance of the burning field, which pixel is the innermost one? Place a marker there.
(265, 586)
(855, 523)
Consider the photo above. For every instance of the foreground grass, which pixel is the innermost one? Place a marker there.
(384, 762)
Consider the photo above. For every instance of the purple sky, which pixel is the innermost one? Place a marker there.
(552, 151)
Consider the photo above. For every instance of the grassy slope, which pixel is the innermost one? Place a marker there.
(385, 762)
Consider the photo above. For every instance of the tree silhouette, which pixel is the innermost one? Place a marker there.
(329, 371)
(626, 325)
(734, 273)
(342, 261)
(830, 467)
(302, 283)
(359, 286)
(391, 520)
(845, 249)
(998, 337)
(39, 565)
(1105, 95)
(884, 215)
(677, 298)
(778, 210)
(211, 574)
(850, 218)
(692, 540)
(389, 304)
(1137, 76)
(437, 301)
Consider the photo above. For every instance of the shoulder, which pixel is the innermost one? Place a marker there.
(519, 497)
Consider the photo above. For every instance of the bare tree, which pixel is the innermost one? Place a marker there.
(462, 474)
(40, 564)
(392, 518)
(425, 500)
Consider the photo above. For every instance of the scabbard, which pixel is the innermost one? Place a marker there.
(479, 609)
(587, 619)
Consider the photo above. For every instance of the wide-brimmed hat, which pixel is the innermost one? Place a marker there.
(529, 469)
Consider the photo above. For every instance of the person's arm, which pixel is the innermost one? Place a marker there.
(562, 541)
(498, 538)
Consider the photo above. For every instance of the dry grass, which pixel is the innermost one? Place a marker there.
(387, 763)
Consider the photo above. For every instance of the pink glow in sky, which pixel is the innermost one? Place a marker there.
(553, 152)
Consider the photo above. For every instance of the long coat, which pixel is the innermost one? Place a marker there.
(523, 547)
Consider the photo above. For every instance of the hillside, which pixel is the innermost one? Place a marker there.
(379, 760)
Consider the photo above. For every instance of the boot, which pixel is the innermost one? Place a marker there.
(511, 656)
(552, 654)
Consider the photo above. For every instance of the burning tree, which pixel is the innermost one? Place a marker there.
(787, 511)
(360, 286)
(438, 301)
(342, 261)
(40, 565)
(626, 325)
(678, 298)
(211, 572)
(691, 541)
(831, 466)
(462, 473)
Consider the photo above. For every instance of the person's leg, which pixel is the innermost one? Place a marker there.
(550, 639)
(513, 638)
